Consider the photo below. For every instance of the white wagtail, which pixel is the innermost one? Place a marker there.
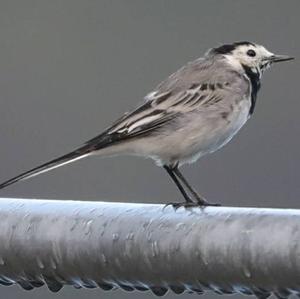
(195, 111)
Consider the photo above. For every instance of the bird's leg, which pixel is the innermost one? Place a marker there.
(188, 202)
(200, 200)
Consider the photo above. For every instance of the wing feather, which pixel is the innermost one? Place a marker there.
(196, 86)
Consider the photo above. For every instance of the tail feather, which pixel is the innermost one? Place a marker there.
(68, 158)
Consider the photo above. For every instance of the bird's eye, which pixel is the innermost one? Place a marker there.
(251, 53)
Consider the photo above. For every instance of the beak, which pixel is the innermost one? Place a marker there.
(279, 58)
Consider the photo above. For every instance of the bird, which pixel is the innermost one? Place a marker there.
(193, 112)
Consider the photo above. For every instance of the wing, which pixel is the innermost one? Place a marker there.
(197, 86)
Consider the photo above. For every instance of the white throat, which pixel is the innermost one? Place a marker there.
(233, 62)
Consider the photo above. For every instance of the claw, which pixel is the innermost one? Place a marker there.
(187, 205)
(177, 205)
(208, 204)
(202, 202)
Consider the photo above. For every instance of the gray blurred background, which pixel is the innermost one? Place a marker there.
(70, 68)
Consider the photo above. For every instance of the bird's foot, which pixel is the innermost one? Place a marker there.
(202, 202)
(207, 204)
(186, 205)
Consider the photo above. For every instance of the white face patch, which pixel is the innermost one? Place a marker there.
(252, 56)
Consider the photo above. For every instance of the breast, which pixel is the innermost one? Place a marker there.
(215, 132)
(233, 122)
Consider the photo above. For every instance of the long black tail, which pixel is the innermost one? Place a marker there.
(68, 158)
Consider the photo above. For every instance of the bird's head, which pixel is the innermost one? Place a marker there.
(250, 55)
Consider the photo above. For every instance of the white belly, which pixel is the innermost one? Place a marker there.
(218, 133)
(199, 138)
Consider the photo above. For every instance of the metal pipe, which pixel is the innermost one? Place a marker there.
(149, 247)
